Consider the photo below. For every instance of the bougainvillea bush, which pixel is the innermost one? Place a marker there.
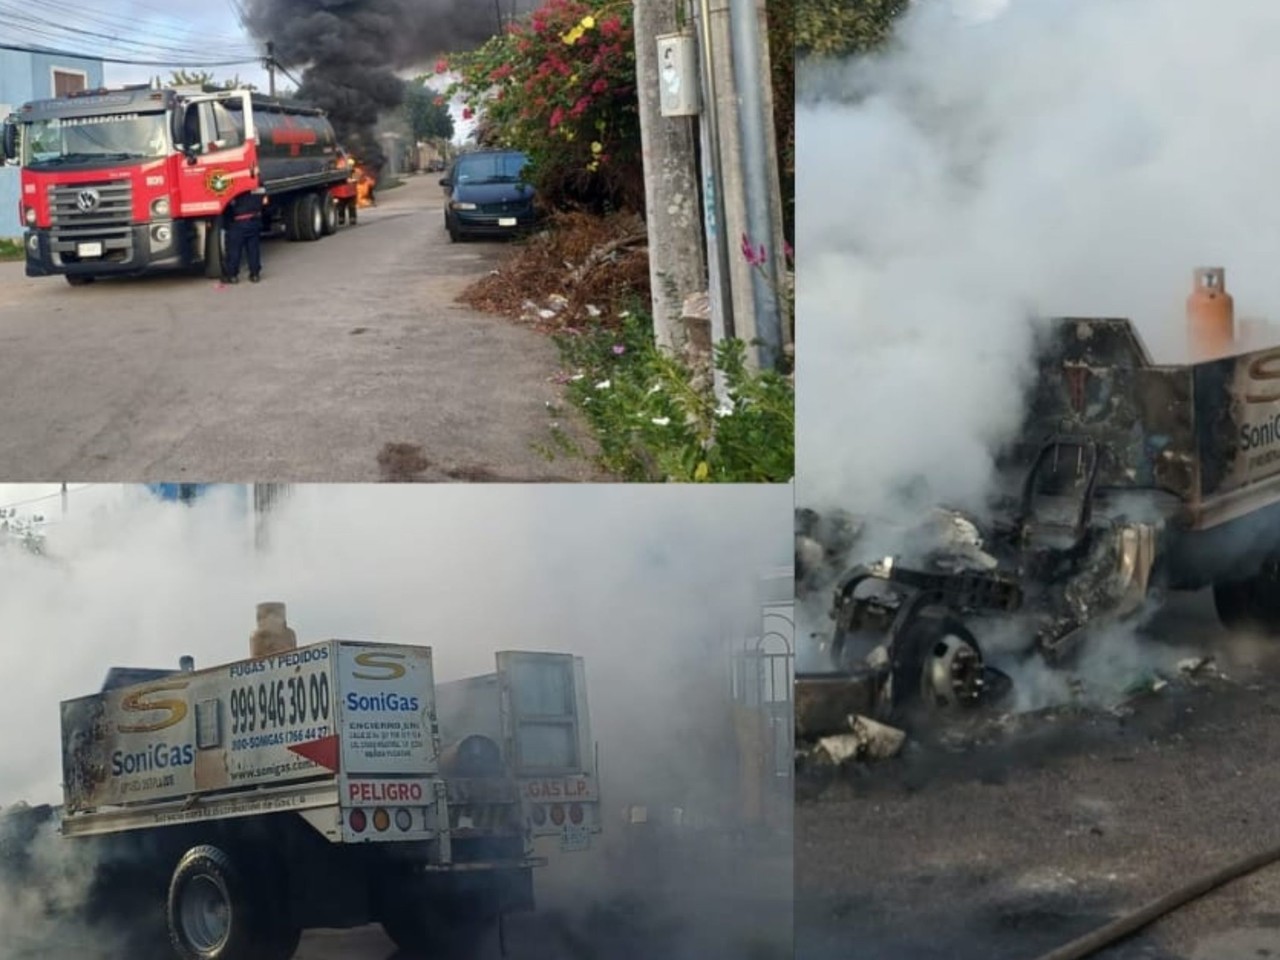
(560, 84)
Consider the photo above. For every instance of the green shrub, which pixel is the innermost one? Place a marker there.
(656, 418)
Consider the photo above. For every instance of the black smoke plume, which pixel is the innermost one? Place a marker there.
(349, 51)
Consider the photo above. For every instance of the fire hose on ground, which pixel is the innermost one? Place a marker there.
(1117, 929)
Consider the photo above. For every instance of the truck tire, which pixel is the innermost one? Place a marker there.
(329, 220)
(310, 217)
(214, 244)
(937, 670)
(1252, 604)
(214, 912)
(290, 217)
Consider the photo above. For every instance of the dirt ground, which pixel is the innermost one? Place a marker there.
(1011, 848)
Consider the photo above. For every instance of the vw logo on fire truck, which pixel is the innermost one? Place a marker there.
(87, 200)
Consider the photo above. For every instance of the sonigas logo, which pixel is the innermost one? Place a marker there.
(1264, 372)
(146, 701)
(390, 665)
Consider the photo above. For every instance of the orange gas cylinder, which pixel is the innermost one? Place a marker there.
(1210, 314)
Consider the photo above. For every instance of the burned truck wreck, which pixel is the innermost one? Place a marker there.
(1128, 479)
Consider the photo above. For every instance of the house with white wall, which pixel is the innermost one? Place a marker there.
(28, 76)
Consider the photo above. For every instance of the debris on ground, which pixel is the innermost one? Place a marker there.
(1192, 666)
(569, 274)
(867, 739)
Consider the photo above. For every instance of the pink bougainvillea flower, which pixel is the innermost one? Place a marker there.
(442, 65)
(557, 117)
(754, 257)
(467, 113)
(619, 349)
(600, 86)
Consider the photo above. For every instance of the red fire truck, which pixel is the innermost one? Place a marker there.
(119, 181)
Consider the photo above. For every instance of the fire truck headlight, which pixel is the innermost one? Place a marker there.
(30, 216)
(160, 208)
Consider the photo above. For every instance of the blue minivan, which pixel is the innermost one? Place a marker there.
(487, 195)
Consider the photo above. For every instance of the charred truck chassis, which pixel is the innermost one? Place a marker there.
(1137, 478)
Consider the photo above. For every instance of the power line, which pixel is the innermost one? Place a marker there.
(133, 63)
(47, 496)
(116, 24)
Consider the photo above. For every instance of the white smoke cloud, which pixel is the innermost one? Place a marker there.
(1037, 157)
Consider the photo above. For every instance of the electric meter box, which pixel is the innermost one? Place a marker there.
(678, 75)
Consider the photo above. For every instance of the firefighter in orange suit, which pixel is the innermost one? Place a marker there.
(244, 235)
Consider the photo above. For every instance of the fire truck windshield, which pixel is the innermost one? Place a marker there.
(63, 141)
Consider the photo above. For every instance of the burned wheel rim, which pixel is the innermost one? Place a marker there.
(953, 675)
(205, 914)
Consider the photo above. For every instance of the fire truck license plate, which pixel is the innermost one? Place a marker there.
(575, 838)
(89, 249)
(506, 221)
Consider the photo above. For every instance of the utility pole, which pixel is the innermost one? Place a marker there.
(741, 78)
(677, 267)
(271, 67)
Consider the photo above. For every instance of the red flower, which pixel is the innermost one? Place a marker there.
(557, 117)
(442, 65)
(610, 27)
(600, 86)
(467, 113)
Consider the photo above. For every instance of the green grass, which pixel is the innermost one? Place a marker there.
(11, 249)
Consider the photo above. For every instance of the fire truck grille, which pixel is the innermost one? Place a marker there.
(95, 213)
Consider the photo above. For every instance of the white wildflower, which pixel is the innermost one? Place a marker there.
(660, 421)
(604, 385)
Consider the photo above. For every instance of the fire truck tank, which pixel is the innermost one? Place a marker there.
(293, 141)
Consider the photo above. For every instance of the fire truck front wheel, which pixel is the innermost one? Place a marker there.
(215, 913)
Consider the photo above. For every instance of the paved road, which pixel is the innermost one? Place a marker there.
(655, 900)
(348, 345)
(1019, 846)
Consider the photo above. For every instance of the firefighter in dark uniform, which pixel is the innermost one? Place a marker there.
(244, 235)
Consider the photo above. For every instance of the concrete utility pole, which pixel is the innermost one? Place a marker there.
(271, 67)
(677, 267)
(741, 77)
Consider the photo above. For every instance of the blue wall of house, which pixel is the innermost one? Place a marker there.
(23, 77)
